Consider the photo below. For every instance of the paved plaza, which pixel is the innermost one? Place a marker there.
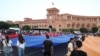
(59, 50)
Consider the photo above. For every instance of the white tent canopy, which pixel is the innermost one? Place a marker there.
(18, 29)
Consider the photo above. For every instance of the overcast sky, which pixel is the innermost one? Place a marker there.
(36, 9)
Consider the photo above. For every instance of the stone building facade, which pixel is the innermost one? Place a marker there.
(62, 21)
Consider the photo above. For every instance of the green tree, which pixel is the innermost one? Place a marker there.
(94, 29)
(35, 27)
(14, 25)
(26, 27)
(84, 30)
(4, 25)
(53, 29)
(65, 30)
(71, 30)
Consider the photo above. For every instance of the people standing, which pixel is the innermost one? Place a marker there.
(7, 47)
(78, 51)
(48, 46)
(70, 46)
(2, 37)
(20, 45)
(0, 43)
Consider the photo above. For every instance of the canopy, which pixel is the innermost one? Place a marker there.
(15, 28)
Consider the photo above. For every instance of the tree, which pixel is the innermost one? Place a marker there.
(94, 29)
(35, 27)
(14, 25)
(71, 30)
(4, 25)
(53, 29)
(26, 27)
(84, 30)
(65, 30)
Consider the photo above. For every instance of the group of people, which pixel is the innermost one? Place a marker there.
(6, 45)
(74, 46)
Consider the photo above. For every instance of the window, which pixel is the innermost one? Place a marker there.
(78, 18)
(52, 21)
(68, 25)
(88, 25)
(59, 29)
(95, 19)
(59, 25)
(45, 25)
(83, 25)
(73, 25)
(93, 25)
(40, 26)
(68, 17)
(78, 25)
(83, 19)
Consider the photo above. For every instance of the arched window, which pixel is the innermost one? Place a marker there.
(60, 25)
(93, 25)
(68, 25)
(78, 18)
(83, 25)
(73, 25)
(88, 25)
(78, 25)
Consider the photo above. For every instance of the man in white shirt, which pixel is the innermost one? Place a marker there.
(70, 46)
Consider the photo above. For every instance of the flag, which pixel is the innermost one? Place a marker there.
(52, 3)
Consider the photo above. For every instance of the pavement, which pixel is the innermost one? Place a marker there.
(92, 46)
(59, 50)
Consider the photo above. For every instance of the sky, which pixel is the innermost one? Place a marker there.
(17, 10)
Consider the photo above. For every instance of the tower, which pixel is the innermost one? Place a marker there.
(52, 13)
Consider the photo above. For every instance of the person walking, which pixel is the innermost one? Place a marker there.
(48, 46)
(70, 46)
(7, 47)
(20, 45)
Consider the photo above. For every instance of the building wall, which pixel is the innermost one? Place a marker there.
(62, 21)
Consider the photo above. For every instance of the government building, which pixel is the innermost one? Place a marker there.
(62, 21)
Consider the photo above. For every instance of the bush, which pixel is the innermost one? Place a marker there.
(84, 30)
(26, 27)
(94, 29)
(65, 30)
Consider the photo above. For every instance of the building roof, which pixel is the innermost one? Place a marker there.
(77, 15)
